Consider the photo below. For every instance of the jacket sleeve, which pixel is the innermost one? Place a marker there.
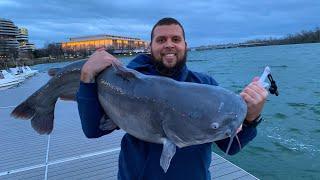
(246, 135)
(90, 110)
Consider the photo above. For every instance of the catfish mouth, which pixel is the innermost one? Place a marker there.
(233, 135)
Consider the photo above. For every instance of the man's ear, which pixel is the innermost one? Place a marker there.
(186, 44)
(149, 46)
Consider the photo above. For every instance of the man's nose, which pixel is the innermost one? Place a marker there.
(169, 44)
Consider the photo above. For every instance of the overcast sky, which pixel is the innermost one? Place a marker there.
(205, 22)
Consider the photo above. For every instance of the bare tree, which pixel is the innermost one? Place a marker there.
(301, 37)
(55, 50)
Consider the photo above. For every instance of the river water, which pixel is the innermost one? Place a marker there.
(287, 145)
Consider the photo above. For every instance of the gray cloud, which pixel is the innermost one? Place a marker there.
(205, 22)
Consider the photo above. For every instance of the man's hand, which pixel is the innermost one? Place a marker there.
(255, 96)
(97, 62)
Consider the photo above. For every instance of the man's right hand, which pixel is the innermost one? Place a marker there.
(97, 62)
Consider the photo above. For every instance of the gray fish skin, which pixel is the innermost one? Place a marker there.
(152, 108)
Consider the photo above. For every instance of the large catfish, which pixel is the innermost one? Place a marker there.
(152, 108)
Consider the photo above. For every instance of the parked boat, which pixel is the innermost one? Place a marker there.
(16, 76)
(6, 81)
(30, 71)
(24, 71)
(8, 75)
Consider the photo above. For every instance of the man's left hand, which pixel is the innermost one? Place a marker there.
(255, 96)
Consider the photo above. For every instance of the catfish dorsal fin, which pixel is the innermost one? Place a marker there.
(122, 71)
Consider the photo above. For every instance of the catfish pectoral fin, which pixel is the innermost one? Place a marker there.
(168, 151)
(106, 124)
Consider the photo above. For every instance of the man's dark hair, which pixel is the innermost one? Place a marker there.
(167, 21)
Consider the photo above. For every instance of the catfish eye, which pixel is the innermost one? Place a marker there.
(215, 125)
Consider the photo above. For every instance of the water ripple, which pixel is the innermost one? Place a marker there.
(292, 144)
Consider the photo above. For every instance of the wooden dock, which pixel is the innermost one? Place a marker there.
(66, 153)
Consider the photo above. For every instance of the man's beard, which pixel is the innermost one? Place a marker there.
(169, 72)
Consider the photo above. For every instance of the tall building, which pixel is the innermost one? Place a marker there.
(23, 39)
(8, 40)
(14, 41)
(108, 41)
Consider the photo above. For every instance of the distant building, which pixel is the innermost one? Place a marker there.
(23, 39)
(14, 41)
(104, 40)
(8, 40)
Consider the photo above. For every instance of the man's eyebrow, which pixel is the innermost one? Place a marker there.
(160, 36)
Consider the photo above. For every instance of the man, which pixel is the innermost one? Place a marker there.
(139, 159)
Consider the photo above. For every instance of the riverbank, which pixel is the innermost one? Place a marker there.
(241, 45)
(4, 64)
(31, 62)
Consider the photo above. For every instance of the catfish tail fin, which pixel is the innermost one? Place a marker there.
(41, 121)
(23, 111)
(39, 107)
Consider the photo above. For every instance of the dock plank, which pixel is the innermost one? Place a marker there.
(34, 174)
